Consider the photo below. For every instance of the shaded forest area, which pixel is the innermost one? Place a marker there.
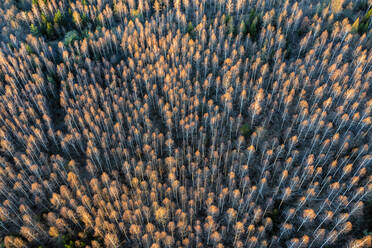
(205, 123)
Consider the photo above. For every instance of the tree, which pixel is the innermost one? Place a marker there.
(169, 241)
(361, 243)
(70, 37)
(216, 238)
(77, 19)
(213, 211)
(157, 7)
(190, 28)
(239, 229)
(336, 6)
(256, 106)
(308, 215)
(29, 234)
(16, 242)
(34, 30)
(161, 215)
(58, 18)
(111, 240)
(53, 232)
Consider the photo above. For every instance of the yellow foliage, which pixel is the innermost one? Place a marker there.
(53, 232)
(336, 6)
(354, 27)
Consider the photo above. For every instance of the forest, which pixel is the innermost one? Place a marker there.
(186, 123)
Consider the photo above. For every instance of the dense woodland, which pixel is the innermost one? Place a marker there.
(179, 123)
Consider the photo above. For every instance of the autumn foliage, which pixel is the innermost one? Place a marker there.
(200, 123)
